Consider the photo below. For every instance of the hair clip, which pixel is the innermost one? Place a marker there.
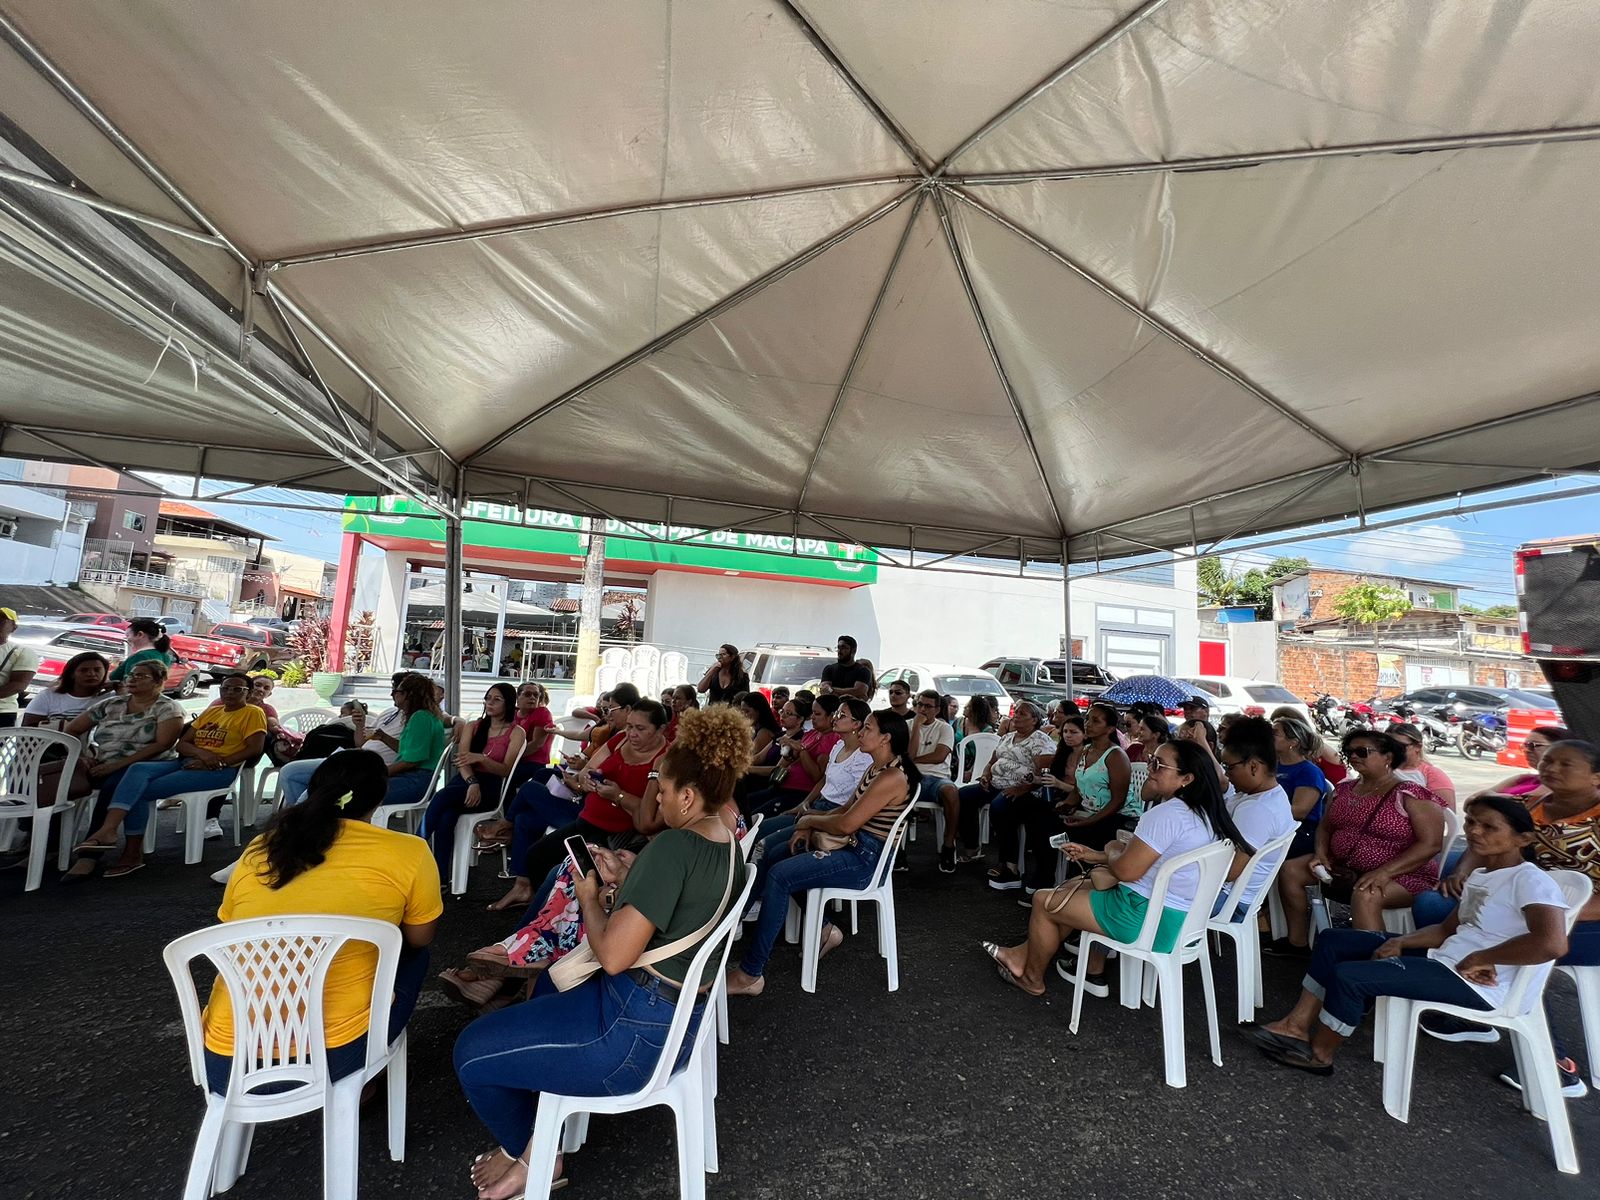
(343, 800)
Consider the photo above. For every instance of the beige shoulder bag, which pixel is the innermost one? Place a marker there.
(575, 967)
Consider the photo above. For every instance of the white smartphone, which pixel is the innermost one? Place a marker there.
(580, 858)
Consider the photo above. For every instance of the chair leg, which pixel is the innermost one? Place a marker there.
(1400, 1054)
(1587, 980)
(1278, 923)
(39, 848)
(811, 941)
(396, 1099)
(791, 922)
(194, 830)
(1085, 942)
(722, 1015)
(230, 1155)
(708, 1108)
(889, 939)
(1208, 981)
(1247, 970)
(687, 1113)
(544, 1146)
(1541, 1083)
(341, 1133)
(203, 1161)
(1169, 983)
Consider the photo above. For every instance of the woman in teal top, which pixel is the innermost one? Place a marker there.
(147, 641)
(1101, 777)
(421, 741)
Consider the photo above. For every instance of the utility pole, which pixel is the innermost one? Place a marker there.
(589, 608)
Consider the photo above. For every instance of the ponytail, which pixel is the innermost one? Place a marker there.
(348, 786)
(153, 630)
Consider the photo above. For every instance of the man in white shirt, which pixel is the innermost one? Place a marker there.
(1259, 807)
(932, 743)
(18, 665)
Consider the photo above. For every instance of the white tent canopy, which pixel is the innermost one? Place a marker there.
(925, 273)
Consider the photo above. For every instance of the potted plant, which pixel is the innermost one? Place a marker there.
(310, 644)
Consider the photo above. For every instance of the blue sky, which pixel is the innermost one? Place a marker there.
(1473, 549)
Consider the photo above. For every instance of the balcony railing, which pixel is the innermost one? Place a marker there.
(144, 580)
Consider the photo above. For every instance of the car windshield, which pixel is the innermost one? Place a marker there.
(792, 669)
(967, 685)
(1271, 693)
(1205, 685)
(36, 633)
(1526, 699)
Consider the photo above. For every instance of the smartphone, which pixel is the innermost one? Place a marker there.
(580, 858)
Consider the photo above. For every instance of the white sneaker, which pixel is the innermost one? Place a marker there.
(225, 874)
(213, 829)
(753, 913)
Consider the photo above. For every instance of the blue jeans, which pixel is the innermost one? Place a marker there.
(450, 802)
(147, 781)
(1345, 977)
(352, 1056)
(295, 777)
(408, 786)
(534, 809)
(602, 1038)
(851, 867)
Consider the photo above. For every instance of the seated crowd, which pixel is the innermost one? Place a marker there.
(1083, 812)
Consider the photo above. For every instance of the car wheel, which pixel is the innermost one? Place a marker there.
(187, 688)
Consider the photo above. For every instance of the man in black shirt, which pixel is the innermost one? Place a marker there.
(847, 677)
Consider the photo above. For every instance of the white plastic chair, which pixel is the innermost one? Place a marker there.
(747, 847)
(1521, 1016)
(1587, 979)
(674, 668)
(1237, 920)
(879, 890)
(412, 813)
(1165, 977)
(21, 752)
(562, 1122)
(462, 855)
(274, 969)
(607, 677)
(1400, 920)
(983, 747)
(192, 818)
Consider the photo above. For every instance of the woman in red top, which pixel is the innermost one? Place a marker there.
(537, 725)
(616, 787)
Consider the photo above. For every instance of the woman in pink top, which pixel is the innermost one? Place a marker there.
(1540, 738)
(1416, 766)
(486, 750)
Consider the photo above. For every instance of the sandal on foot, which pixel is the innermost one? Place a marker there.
(474, 993)
(93, 847)
(1278, 1043)
(1002, 879)
(489, 966)
(1006, 976)
(1300, 1062)
(832, 939)
(751, 989)
(118, 871)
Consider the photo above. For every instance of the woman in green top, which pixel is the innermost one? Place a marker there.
(604, 1037)
(421, 741)
(147, 642)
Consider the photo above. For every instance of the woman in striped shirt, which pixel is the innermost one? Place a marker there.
(881, 796)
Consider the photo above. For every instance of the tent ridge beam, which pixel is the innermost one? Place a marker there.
(1148, 9)
(39, 183)
(1218, 162)
(819, 42)
(860, 348)
(736, 297)
(531, 224)
(1158, 323)
(994, 355)
(41, 63)
(1527, 468)
(1494, 423)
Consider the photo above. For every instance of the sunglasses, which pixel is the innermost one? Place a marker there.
(1360, 751)
(1157, 765)
(1530, 747)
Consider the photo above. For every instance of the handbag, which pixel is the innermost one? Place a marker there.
(580, 963)
(1344, 878)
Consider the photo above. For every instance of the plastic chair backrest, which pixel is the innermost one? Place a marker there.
(21, 752)
(891, 845)
(619, 657)
(1264, 863)
(1212, 861)
(1577, 888)
(747, 843)
(274, 969)
(716, 946)
(674, 668)
(983, 746)
(304, 720)
(1452, 830)
(1137, 773)
(607, 677)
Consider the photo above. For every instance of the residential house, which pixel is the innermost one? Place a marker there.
(41, 532)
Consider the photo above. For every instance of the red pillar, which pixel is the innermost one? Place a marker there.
(344, 593)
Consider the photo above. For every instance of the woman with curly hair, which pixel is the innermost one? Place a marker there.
(604, 1036)
(718, 736)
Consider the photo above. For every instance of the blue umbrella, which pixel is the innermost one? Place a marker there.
(1151, 689)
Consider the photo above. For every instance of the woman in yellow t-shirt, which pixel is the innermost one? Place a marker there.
(209, 753)
(325, 856)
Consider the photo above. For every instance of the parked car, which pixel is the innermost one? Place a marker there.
(947, 679)
(1471, 700)
(1252, 697)
(173, 625)
(772, 664)
(245, 647)
(1043, 680)
(57, 641)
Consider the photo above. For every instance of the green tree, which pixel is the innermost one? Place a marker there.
(1502, 611)
(1215, 584)
(1371, 604)
(1280, 567)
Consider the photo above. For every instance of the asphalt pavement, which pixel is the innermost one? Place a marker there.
(954, 1085)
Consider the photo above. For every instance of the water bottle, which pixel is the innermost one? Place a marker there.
(1320, 921)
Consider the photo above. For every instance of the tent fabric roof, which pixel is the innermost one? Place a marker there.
(953, 276)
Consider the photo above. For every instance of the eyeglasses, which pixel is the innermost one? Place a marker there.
(1230, 766)
(924, 704)
(1359, 751)
(1530, 747)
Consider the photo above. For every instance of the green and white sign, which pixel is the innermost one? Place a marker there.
(540, 531)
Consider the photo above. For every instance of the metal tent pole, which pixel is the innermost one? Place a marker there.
(1066, 616)
(591, 610)
(453, 578)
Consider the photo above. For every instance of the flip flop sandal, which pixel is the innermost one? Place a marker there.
(831, 941)
(1300, 1062)
(119, 872)
(93, 847)
(1279, 1043)
(1007, 977)
(487, 966)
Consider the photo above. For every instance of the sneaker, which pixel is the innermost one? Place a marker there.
(1284, 948)
(1572, 1084)
(1096, 984)
(1025, 901)
(947, 860)
(213, 830)
(1453, 1029)
(1005, 881)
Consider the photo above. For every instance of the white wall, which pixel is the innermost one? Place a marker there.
(927, 616)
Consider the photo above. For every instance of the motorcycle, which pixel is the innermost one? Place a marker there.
(1358, 716)
(1433, 724)
(1328, 712)
(1485, 732)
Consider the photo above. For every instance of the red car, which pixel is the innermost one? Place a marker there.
(57, 641)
